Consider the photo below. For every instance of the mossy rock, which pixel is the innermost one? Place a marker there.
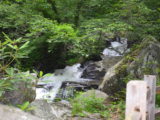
(143, 59)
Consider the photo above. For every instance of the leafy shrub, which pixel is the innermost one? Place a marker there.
(158, 100)
(11, 51)
(115, 110)
(49, 41)
(90, 104)
(12, 76)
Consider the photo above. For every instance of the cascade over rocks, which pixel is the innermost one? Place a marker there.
(145, 59)
(63, 82)
(69, 88)
(97, 70)
(93, 70)
(111, 55)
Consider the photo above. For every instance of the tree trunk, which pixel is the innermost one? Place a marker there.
(54, 8)
(77, 13)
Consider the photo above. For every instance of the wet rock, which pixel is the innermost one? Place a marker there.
(69, 88)
(97, 70)
(111, 55)
(11, 113)
(54, 82)
(93, 70)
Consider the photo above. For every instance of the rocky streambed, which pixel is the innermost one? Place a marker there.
(64, 82)
(107, 75)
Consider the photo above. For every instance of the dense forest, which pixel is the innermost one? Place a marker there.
(60, 32)
(43, 35)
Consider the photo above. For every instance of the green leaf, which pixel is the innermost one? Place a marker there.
(11, 46)
(24, 106)
(40, 73)
(10, 71)
(24, 45)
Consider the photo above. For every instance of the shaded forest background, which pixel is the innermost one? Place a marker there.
(49, 34)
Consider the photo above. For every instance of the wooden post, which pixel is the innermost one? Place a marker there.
(151, 92)
(136, 102)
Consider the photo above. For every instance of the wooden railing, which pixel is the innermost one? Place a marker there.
(140, 99)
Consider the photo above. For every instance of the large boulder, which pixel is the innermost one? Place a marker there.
(111, 83)
(96, 93)
(51, 111)
(24, 90)
(42, 109)
(11, 113)
(145, 59)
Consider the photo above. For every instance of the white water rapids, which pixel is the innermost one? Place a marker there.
(116, 48)
(51, 84)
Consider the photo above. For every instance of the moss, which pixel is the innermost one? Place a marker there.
(132, 55)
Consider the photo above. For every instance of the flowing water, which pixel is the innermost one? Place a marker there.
(51, 84)
(116, 48)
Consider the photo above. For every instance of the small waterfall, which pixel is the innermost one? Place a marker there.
(117, 48)
(52, 84)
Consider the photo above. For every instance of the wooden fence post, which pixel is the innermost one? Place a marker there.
(136, 102)
(151, 92)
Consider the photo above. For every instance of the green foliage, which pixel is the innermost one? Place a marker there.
(48, 75)
(91, 104)
(88, 104)
(49, 34)
(11, 51)
(44, 30)
(25, 106)
(52, 34)
(40, 74)
(157, 100)
(48, 38)
(115, 110)
(13, 76)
